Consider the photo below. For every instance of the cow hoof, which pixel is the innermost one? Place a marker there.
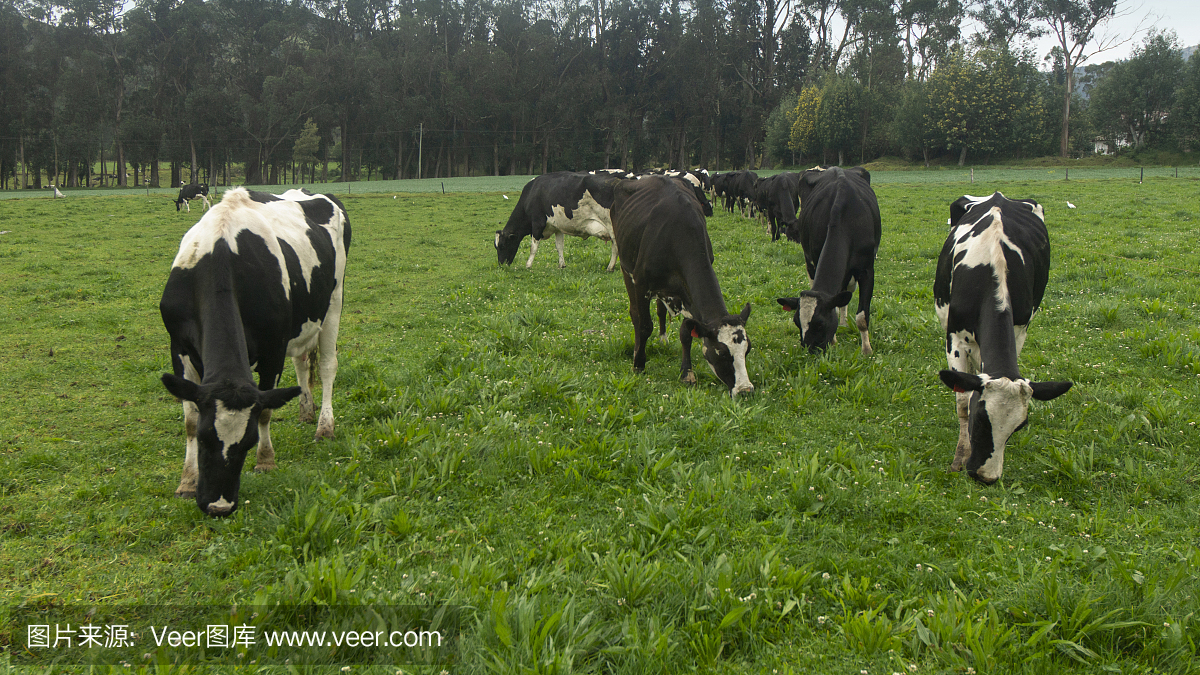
(690, 378)
(323, 433)
(981, 479)
(185, 494)
(263, 468)
(306, 416)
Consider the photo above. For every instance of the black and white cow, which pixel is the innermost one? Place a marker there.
(991, 276)
(777, 198)
(189, 192)
(258, 279)
(839, 228)
(558, 204)
(666, 254)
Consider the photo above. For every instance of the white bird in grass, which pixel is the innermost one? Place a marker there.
(506, 196)
(1070, 205)
(56, 192)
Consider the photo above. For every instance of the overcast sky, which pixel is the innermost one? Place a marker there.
(1181, 16)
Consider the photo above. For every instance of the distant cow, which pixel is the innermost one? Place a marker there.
(991, 276)
(258, 279)
(777, 198)
(839, 228)
(189, 192)
(558, 204)
(666, 254)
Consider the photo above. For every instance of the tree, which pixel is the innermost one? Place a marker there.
(1185, 115)
(974, 102)
(803, 138)
(779, 130)
(1075, 25)
(1138, 94)
(913, 126)
(838, 117)
(304, 152)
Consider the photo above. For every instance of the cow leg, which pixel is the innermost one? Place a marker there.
(207, 204)
(686, 374)
(662, 321)
(265, 457)
(187, 203)
(559, 239)
(191, 421)
(862, 320)
(191, 473)
(612, 261)
(639, 314)
(962, 404)
(959, 356)
(304, 377)
(533, 243)
(328, 363)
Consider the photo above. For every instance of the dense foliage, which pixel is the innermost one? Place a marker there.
(316, 90)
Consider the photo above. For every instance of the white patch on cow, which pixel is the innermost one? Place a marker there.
(1007, 405)
(220, 506)
(734, 338)
(962, 353)
(986, 248)
(271, 222)
(943, 313)
(231, 426)
(588, 219)
(808, 307)
(306, 341)
(1019, 333)
(691, 179)
(497, 240)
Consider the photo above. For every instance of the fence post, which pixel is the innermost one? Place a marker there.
(1068, 176)
(1142, 176)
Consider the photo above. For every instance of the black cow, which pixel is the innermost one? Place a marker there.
(777, 199)
(666, 254)
(991, 276)
(189, 192)
(558, 203)
(742, 189)
(258, 279)
(839, 228)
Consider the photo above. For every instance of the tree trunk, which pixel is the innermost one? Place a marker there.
(1066, 121)
(154, 177)
(495, 156)
(962, 156)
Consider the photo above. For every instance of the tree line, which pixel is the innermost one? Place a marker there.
(101, 92)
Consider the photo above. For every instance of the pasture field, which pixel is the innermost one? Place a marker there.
(495, 451)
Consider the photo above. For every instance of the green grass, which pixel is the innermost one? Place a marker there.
(494, 450)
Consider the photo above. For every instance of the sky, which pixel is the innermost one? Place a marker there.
(1181, 16)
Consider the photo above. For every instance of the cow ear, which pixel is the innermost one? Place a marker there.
(1046, 391)
(866, 175)
(961, 382)
(745, 314)
(958, 209)
(790, 304)
(184, 390)
(276, 398)
(697, 329)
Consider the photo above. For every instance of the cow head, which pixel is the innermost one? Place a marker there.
(816, 316)
(725, 346)
(507, 244)
(226, 432)
(999, 407)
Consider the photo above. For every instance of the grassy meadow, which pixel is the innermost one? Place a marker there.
(495, 451)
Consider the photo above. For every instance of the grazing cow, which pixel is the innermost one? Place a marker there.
(991, 276)
(558, 203)
(259, 278)
(777, 199)
(741, 190)
(192, 191)
(839, 228)
(666, 254)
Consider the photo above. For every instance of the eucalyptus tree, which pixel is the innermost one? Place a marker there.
(928, 29)
(1078, 28)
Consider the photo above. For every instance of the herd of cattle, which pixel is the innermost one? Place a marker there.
(260, 277)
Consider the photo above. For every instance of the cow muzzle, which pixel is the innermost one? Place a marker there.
(220, 508)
